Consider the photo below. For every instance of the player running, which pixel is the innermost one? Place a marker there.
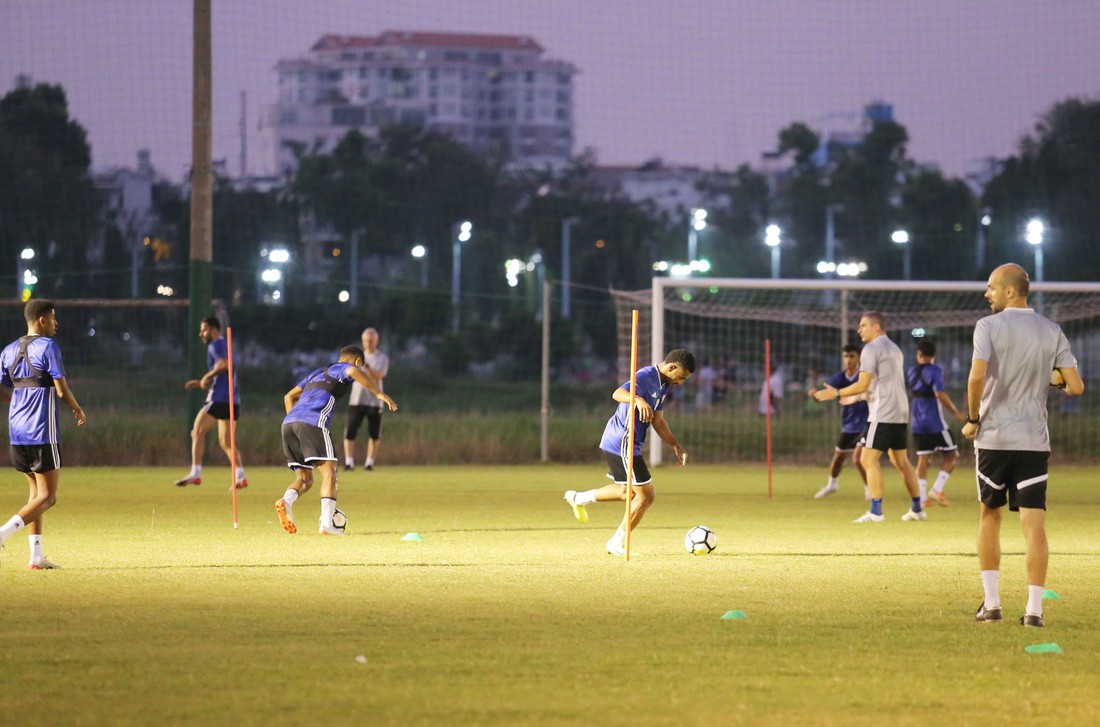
(930, 432)
(651, 388)
(853, 420)
(306, 440)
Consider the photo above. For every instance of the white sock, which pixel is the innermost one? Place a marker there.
(370, 461)
(289, 498)
(349, 461)
(196, 470)
(36, 547)
(941, 482)
(866, 492)
(586, 498)
(991, 581)
(833, 484)
(1035, 600)
(923, 485)
(240, 474)
(328, 509)
(9, 528)
(619, 535)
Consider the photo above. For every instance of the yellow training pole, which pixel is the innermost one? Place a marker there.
(232, 426)
(630, 423)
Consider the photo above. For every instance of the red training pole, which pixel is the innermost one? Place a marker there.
(630, 423)
(232, 426)
(768, 408)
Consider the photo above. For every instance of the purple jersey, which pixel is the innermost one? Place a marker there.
(853, 418)
(648, 387)
(924, 381)
(320, 390)
(32, 416)
(218, 392)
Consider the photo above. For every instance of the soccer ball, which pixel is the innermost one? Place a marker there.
(700, 540)
(339, 520)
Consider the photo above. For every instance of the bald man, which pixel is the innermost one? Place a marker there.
(365, 405)
(1016, 351)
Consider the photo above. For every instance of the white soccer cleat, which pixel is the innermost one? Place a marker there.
(579, 511)
(826, 491)
(869, 517)
(615, 547)
(912, 515)
(42, 564)
(329, 531)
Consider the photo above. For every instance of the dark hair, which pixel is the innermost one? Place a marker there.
(876, 317)
(927, 348)
(682, 358)
(357, 351)
(212, 322)
(851, 348)
(36, 308)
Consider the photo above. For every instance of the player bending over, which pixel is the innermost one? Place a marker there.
(306, 440)
(652, 384)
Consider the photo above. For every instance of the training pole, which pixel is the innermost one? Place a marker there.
(630, 422)
(232, 426)
(768, 408)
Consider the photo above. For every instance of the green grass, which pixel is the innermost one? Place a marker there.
(510, 612)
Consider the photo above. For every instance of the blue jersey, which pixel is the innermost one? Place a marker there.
(648, 387)
(320, 391)
(32, 416)
(924, 380)
(853, 418)
(218, 393)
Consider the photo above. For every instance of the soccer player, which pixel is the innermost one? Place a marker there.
(216, 408)
(881, 370)
(651, 387)
(30, 374)
(306, 440)
(364, 404)
(853, 420)
(1016, 353)
(930, 432)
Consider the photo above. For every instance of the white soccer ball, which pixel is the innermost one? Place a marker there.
(700, 540)
(339, 520)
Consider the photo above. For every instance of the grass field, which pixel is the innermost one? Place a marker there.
(509, 612)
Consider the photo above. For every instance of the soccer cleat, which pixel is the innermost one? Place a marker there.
(329, 531)
(241, 483)
(869, 517)
(988, 615)
(826, 491)
(285, 516)
(615, 547)
(189, 480)
(913, 515)
(939, 497)
(368, 467)
(348, 467)
(579, 511)
(1032, 621)
(44, 564)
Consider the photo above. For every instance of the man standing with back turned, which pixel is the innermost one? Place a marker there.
(1017, 355)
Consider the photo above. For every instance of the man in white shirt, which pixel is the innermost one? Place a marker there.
(365, 405)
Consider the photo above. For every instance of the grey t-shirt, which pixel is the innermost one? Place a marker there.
(377, 363)
(888, 401)
(1021, 348)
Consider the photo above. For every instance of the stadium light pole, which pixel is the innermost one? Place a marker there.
(901, 237)
(772, 235)
(1034, 237)
(460, 232)
(421, 253)
(697, 222)
(566, 273)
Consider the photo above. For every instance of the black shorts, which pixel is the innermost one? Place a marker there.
(304, 443)
(220, 410)
(1018, 477)
(37, 458)
(616, 469)
(884, 437)
(849, 441)
(356, 414)
(938, 442)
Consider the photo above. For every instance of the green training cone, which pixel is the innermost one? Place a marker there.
(417, 537)
(1047, 593)
(731, 615)
(1050, 648)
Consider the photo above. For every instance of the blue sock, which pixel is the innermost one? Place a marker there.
(876, 506)
(916, 504)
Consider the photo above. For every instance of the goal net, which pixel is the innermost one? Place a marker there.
(727, 323)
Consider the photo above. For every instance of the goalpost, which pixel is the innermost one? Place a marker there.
(720, 413)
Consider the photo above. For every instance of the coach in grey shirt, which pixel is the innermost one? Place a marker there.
(882, 370)
(1018, 355)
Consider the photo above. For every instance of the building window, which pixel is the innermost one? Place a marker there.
(348, 116)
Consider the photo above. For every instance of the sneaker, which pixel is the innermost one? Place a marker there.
(368, 467)
(869, 517)
(348, 467)
(241, 483)
(285, 517)
(913, 515)
(47, 565)
(988, 615)
(1033, 621)
(940, 498)
(615, 547)
(579, 511)
(329, 531)
(189, 480)
(826, 491)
